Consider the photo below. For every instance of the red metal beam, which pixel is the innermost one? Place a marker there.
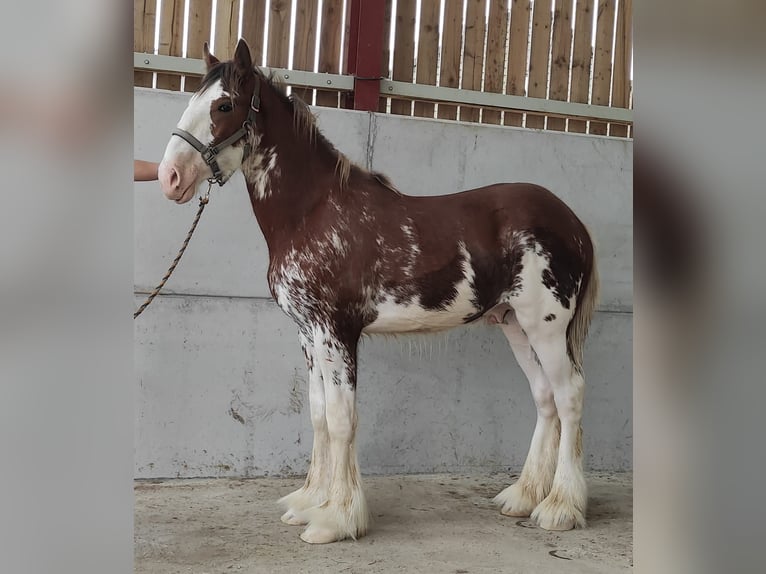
(365, 45)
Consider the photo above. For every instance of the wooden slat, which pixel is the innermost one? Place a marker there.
(200, 20)
(226, 28)
(622, 63)
(495, 61)
(144, 20)
(450, 62)
(560, 50)
(305, 43)
(253, 22)
(602, 60)
(538, 57)
(347, 36)
(428, 52)
(473, 53)
(521, 11)
(171, 40)
(404, 51)
(278, 51)
(385, 52)
(581, 59)
(329, 47)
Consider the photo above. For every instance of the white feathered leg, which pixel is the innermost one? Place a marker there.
(314, 490)
(521, 498)
(565, 505)
(344, 514)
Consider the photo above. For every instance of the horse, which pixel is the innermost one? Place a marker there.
(349, 255)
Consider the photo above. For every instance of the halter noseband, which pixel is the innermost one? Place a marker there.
(209, 153)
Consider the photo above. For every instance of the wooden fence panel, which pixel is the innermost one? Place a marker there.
(623, 58)
(495, 60)
(452, 37)
(561, 48)
(473, 54)
(253, 24)
(522, 48)
(538, 58)
(521, 11)
(404, 54)
(428, 52)
(581, 59)
(144, 21)
(226, 26)
(305, 43)
(200, 20)
(171, 40)
(278, 51)
(347, 35)
(329, 47)
(385, 55)
(602, 60)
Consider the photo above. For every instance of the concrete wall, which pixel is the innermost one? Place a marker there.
(221, 387)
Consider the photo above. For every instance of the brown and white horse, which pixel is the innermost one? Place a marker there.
(350, 255)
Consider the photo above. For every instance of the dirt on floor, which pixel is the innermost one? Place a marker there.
(422, 523)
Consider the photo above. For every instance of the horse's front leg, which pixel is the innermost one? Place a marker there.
(344, 514)
(314, 490)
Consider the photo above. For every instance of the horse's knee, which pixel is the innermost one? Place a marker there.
(545, 403)
(341, 420)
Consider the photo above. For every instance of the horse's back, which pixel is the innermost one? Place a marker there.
(494, 218)
(521, 205)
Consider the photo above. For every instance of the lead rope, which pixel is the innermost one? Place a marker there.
(203, 201)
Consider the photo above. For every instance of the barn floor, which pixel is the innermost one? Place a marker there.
(422, 523)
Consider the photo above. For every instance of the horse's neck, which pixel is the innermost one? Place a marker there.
(287, 179)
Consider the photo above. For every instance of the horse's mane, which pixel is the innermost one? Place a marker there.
(304, 121)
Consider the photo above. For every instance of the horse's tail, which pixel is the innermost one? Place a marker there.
(587, 298)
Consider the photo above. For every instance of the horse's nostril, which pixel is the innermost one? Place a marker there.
(175, 179)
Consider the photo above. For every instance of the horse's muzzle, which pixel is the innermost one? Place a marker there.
(177, 184)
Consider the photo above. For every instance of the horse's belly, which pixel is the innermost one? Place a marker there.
(410, 316)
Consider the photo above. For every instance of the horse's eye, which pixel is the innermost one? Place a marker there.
(224, 108)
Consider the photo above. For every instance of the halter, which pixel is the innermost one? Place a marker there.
(209, 153)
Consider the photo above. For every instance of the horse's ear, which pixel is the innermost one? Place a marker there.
(242, 56)
(210, 60)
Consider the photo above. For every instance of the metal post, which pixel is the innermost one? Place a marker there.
(365, 46)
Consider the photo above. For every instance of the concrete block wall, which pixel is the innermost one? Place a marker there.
(220, 379)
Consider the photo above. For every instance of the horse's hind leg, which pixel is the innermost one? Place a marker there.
(521, 498)
(564, 506)
(314, 490)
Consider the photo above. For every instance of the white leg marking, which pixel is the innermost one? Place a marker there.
(344, 514)
(565, 505)
(314, 491)
(521, 498)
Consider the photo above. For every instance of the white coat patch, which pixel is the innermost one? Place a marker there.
(411, 316)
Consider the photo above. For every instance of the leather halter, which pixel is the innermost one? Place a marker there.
(209, 153)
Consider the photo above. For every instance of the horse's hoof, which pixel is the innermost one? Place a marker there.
(316, 535)
(514, 501)
(292, 519)
(567, 524)
(561, 517)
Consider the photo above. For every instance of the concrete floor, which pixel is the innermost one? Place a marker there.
(422, 523)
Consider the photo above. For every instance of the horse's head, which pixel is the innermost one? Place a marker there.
(216, 130)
